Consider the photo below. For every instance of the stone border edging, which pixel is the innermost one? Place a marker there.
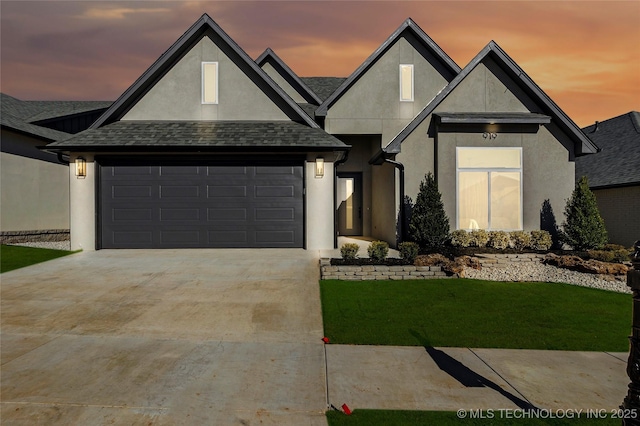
(377, 272)
(41, 235)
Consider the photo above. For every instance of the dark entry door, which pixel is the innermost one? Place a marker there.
(195, 203)
(349, 193)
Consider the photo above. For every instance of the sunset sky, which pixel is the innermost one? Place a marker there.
(584, 54)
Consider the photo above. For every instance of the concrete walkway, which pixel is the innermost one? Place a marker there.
(234, 337)
(450, 379)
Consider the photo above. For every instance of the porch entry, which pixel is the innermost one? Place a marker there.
(349, 193)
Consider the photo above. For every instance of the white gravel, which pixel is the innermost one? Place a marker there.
(535, 271)
(56, 245)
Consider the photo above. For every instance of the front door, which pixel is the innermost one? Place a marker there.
(349, 195)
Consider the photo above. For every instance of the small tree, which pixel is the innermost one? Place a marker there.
(584, 228)
(429, 225)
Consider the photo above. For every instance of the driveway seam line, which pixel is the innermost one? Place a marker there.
(500, 375)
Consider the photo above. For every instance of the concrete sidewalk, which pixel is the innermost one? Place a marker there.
(415, 378)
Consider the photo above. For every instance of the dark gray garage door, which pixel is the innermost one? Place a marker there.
(170, 204)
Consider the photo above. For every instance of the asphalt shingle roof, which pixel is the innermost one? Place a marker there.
(323, 86)
(201, 135)
(618, 162)
(22, 115)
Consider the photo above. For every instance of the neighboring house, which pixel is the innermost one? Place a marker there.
(614, 175)
(211, 149)
(34, 203)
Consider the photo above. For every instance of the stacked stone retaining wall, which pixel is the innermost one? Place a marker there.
(42, 235)
(377, 272)
(490, 260)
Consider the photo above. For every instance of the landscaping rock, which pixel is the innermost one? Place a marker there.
(590, 266)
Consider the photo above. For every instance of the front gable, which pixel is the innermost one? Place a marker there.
(178, 94)
(382, 95)
(172, 88)
(284, 76)
(493, 82)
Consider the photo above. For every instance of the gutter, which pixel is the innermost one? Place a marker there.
(378, 159)
(400, 168)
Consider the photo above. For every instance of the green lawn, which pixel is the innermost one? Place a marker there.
(14, 257)
(444, 418)
(476, 314)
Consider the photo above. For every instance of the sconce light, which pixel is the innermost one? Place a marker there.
(81, 167)
(319, 167)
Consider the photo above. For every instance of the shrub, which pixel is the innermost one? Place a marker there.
(408, 251)
(429, 225)
(378, 250)
(479, 238)
(460, 238)
(584, 228)
(349, 251)
(498, 240)
(520, 239)
(617, 256)
(541, 240)
(613, 247)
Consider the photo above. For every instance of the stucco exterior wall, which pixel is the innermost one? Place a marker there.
(82, 193)
(320, 216)
(548, 169)
(362, 148)
(384, 204)
(35, 194)
(372, 105)
(619, 208)
(280, 81)
(178, 94)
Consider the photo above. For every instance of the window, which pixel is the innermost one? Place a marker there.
(489, 188)
(209, 82)
(406, 83)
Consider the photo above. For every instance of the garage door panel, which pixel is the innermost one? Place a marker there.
(200, 205)
(234, 191)
(227, 214)
(128, 215)
(275, 214)
(189, 238)
(131, 191)
(180, 215)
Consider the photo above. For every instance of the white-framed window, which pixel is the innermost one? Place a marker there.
(209, 82)
(406, 82)
(489, 188)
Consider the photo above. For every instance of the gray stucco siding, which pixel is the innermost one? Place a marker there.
(178, 94)
(547, 169)
(619, 207)
(284, 84)
(372, 105)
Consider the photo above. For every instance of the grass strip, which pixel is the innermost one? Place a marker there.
(15, 257)
(476, 314)
(444, 418)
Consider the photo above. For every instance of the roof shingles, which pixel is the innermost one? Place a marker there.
(201, 134)
(618, 162)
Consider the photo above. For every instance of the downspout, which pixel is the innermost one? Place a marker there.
(400, 168)
(335, 203)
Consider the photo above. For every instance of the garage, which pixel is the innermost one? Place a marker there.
(200, 203)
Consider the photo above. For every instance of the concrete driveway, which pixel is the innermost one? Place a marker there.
(164, 337)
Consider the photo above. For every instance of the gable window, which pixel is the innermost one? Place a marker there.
(209, 82)
(489, 188)
(406, 83)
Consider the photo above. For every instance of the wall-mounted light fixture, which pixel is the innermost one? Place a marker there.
(81, 167)
(319, 167)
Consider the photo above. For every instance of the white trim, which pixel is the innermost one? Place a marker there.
(401, 81)
(489, 170)
(217, 79)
